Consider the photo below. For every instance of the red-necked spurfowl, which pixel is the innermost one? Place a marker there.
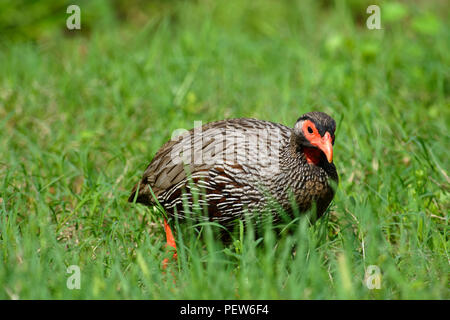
(243, 165)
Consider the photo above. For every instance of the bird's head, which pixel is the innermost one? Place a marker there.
(314, 136)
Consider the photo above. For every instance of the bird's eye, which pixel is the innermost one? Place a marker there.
(310, 130)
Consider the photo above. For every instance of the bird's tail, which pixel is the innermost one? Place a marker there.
(141, 193)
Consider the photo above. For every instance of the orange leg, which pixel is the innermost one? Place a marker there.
(170, 242)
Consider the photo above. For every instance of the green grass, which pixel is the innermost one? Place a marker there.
(81, 116)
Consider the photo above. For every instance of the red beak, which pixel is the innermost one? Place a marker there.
(325, 144)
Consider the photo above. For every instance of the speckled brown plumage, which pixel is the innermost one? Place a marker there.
(242, 165)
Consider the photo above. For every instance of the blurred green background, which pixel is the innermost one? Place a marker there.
(82, 112)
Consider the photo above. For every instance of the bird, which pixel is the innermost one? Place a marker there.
(230, 169)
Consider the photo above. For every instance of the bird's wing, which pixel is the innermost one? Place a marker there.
(244, 146)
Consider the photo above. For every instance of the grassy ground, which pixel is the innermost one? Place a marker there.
(83, 112)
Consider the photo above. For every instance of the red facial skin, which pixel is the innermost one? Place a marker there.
(324, 144)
